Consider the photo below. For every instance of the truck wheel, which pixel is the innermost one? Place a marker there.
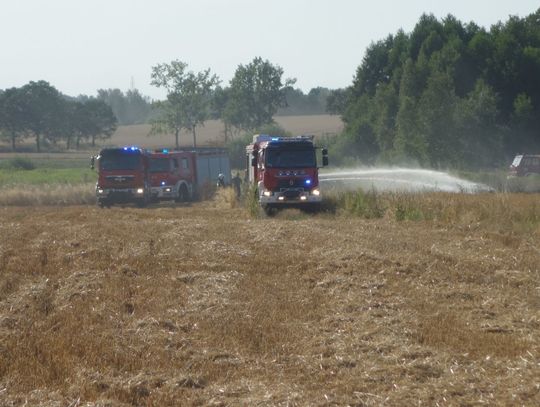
(142, 203)
(270, 210)
(312, 208)
(183, 194)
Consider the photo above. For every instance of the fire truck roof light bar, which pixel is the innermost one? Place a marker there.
(258, 138)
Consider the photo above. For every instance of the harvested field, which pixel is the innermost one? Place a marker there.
(212, 133)
(203, 305)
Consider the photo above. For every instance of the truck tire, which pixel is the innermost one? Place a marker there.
(104, 204)
(270, 210)
(183, 194)
(142, 203)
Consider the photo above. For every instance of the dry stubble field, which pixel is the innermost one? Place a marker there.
(212, 133)
(203, 305)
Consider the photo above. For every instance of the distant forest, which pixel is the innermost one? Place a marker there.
(133, 108)
(448, 94)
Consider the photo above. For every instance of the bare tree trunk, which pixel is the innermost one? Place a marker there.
(176, 137)
(194, 136)
(13, 137)
(93, 140)
(37, 143)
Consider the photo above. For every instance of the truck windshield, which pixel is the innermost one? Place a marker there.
(290, 158)
(159, 165)
(119, 161)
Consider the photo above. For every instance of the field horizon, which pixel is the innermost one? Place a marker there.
(211, 134)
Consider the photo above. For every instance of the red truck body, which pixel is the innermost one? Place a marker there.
(285, 172)
(181, 174)
(525, 165)
(123, 176)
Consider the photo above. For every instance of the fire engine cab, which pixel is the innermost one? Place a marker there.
(285, 172)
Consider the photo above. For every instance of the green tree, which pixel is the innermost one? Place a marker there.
(479, 137)
(256, 93)
(101, 123)
(188, 98)
(337, 100)
(524, 136)
(44, 108)
(129, 108)
(12, 123)
(409, 142)
(88, 120)
(446, 91)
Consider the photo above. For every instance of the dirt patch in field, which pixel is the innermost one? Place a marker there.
(202, 305)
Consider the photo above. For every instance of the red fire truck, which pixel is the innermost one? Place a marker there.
(525, 165)
(123, 176)
(285, 172)
(181, 174)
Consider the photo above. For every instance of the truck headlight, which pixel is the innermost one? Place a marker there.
(140, 190)
(267, 193)
(316, 192)
(100, 191)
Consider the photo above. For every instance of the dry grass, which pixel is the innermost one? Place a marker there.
(204, 305)
(39, 195)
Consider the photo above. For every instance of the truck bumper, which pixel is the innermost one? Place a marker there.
(289, 198)
(124, 195)
(164, 192)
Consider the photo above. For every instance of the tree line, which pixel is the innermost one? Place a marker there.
(132, 107)
(254, 95)
(38, 110)
(448, 94)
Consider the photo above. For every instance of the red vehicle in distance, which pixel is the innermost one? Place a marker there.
(180, 175)
(122, 176)
(525, 165)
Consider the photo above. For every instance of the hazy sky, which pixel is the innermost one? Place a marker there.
(80, 46)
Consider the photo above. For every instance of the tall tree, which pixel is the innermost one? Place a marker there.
(479, 137)
(12, 121)
(257, 91)
(188, 98)
(43, 108)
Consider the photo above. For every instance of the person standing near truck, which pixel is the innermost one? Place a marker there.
(236, 183)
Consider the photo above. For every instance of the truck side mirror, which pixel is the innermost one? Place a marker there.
(92, 162)
(325, 160)
(253, 161)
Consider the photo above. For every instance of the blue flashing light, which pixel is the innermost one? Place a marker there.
(165, 151)
(162, 182)
(275, 138)
(308, 182)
